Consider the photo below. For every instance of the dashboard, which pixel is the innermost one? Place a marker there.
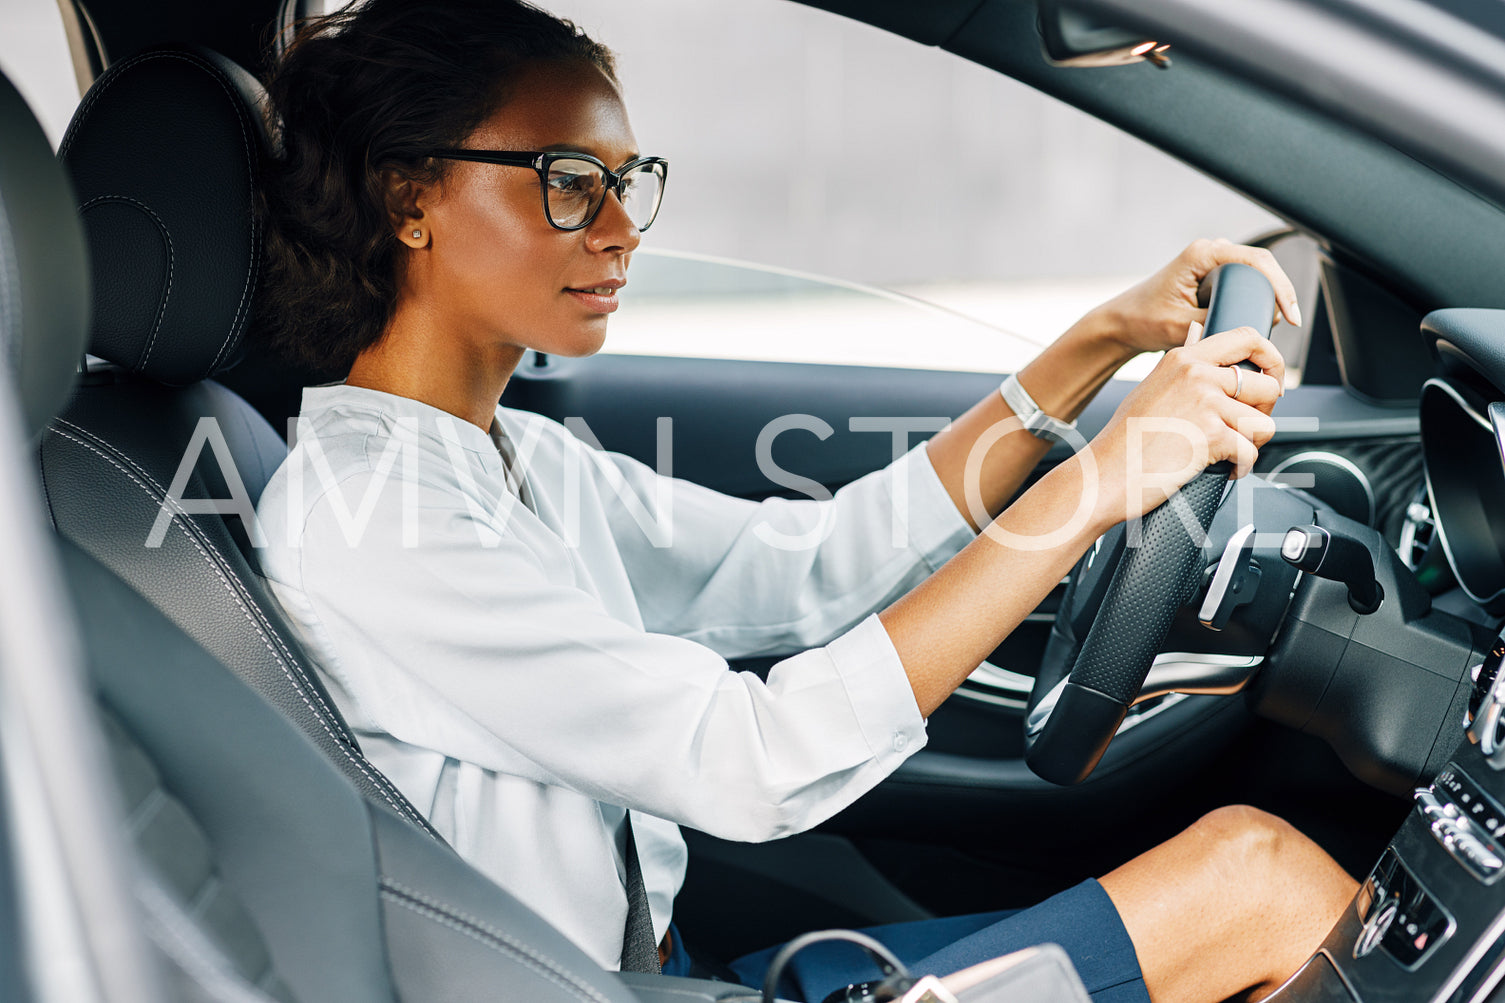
(1429, 921)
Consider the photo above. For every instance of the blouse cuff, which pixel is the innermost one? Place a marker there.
(879, 692)
(936, 529)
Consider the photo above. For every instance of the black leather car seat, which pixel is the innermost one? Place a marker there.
(164, 154)
(295, 886)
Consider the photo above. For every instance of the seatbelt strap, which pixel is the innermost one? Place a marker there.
(639, 948)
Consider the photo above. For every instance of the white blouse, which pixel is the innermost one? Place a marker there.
(527, 646)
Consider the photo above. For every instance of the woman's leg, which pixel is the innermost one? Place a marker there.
(1230, 907)
(1082, 920)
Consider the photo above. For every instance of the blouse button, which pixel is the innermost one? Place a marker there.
(900, 741)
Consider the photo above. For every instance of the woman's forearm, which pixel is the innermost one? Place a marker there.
(948, 625)
(1062, 380)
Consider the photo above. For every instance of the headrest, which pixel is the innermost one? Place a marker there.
(165, 154)
(44, 277)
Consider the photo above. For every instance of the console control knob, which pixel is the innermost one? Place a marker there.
(1465, 841)
(1467, 848)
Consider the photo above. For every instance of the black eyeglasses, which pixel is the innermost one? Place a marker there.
(574, 185)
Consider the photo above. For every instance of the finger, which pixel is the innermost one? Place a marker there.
(1222, 252)
(1258, 390)
(1238, 449)
(1244, 459)
(1227, 347)
(1249, 422)
(1193, 333)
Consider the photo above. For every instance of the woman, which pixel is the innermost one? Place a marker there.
(529, 635)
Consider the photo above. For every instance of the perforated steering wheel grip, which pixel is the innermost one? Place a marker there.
(1127, 633)
(1151, 582)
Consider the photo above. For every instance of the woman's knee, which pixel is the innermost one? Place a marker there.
(1272, 859)
(1249, 842)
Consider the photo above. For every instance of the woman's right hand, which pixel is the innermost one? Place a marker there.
(1182, 418)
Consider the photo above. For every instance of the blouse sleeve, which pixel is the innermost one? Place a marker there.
(484, 654)
(761, 578)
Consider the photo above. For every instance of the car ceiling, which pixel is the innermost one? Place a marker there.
(1427, 239)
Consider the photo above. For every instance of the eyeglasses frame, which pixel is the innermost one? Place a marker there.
(540, 160)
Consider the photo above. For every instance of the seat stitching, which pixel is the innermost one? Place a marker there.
(240, 118)
(245, 149)
(380, 780)
(183, 525)
(503, 948)
(151, 340)
(93, 98)
(253, 612)
(186, 525)
(189, 528)
(491, 937)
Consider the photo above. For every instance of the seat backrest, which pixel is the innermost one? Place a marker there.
(327, 896)
(165, 154)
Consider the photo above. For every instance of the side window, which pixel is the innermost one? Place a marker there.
(806, 146)
(35, 55)
(838, 194)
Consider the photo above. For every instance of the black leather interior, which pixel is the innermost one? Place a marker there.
(164, 154)
(45, 289)
(172, 139)
(351, 902)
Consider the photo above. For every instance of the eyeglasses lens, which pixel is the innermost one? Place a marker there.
(642, 190)
(575, 189)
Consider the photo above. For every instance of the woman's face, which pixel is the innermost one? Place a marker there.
(491, 267)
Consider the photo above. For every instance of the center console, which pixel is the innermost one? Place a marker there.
(1429, 922)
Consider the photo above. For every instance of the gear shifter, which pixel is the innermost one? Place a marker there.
(1320, 552)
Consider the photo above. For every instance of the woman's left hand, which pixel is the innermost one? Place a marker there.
(1155, 314)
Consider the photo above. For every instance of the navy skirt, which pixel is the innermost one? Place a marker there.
(1082, 920)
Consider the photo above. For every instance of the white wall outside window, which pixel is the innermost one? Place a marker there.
(808, 143)
(811, 142)
(34, 55)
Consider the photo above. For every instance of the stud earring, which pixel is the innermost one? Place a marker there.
(417, 234)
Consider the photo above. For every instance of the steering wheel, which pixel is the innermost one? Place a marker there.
(1130, 595)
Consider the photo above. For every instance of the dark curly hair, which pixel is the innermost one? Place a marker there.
(357, 94)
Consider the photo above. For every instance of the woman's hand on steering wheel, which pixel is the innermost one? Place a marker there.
(1184, 417)
(1154, 315)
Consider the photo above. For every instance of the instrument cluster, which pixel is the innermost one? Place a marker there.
(1463, 454)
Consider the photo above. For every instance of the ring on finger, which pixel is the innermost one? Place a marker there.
(1238, 380)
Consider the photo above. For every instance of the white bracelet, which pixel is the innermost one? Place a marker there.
(1035, 421)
